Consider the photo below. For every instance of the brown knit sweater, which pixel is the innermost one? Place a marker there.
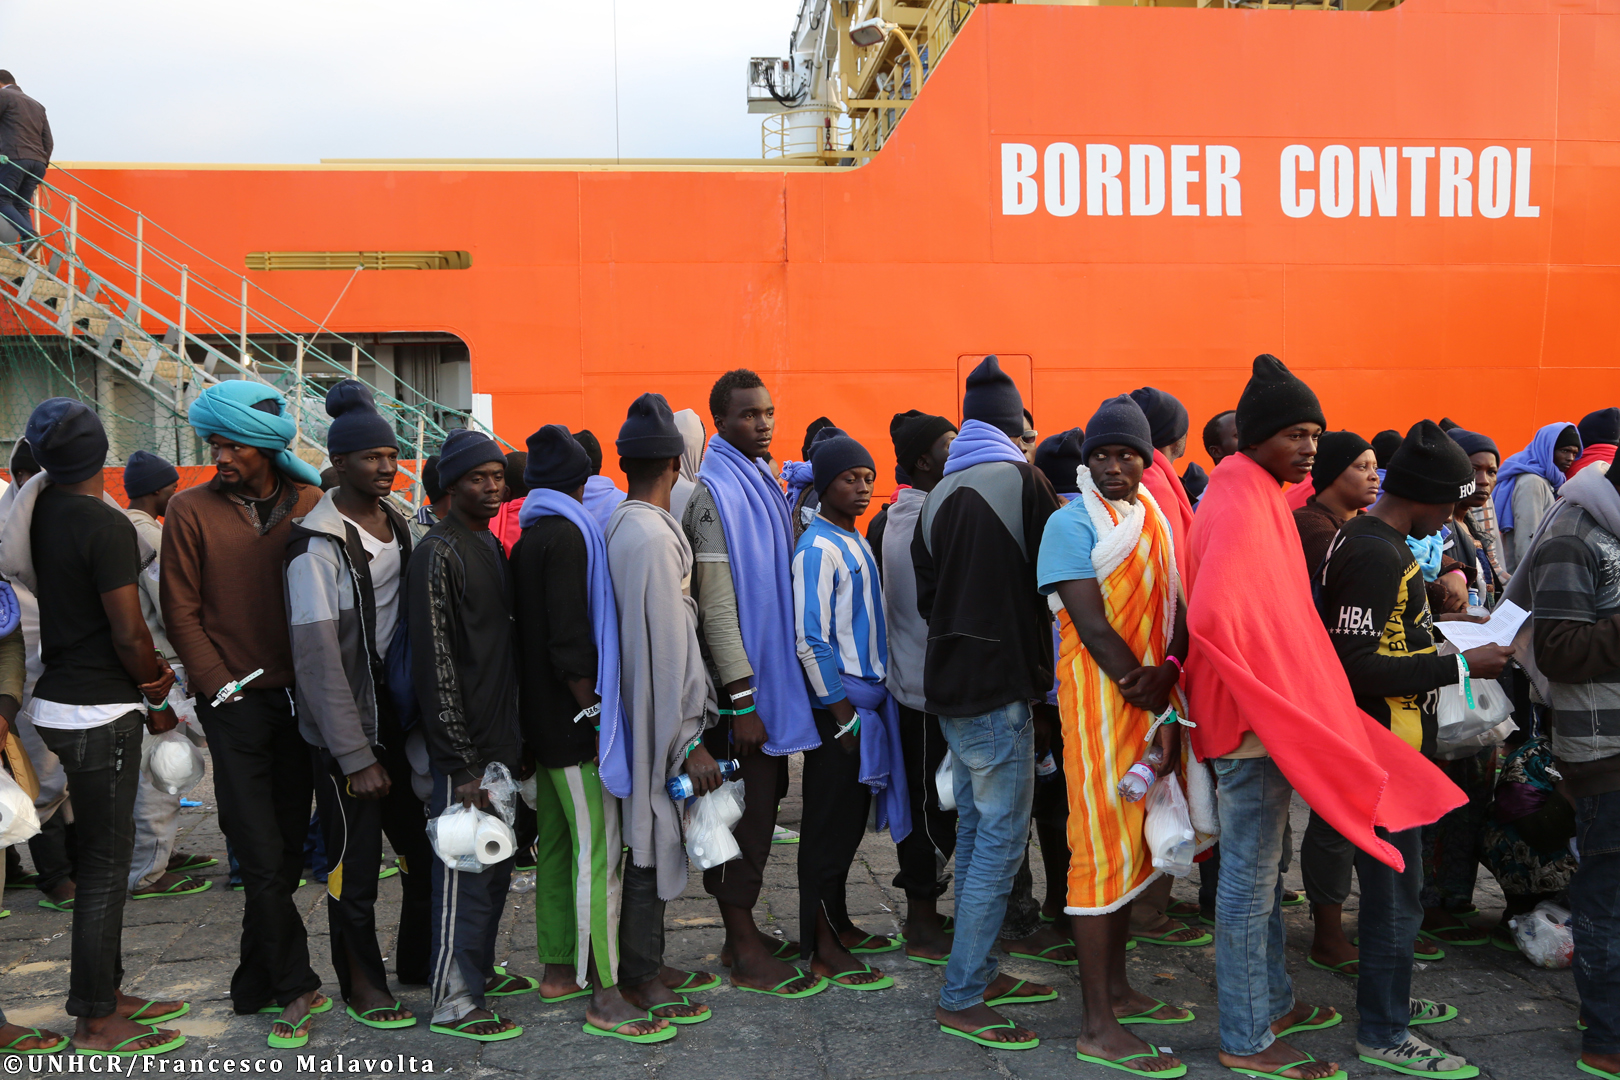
(224, 602)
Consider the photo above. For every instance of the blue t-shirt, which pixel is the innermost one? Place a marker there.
(1066, 545)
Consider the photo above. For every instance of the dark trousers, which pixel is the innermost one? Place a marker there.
(103, 766)
(1452, 845)
(836, 804)
(354, 831)
(1209, 879)
(18, 180)
(932, 840)
(1391, 913)
(1594, 900)
(641, 925)
(264, 782)
(52, 849)
(466, 918)
(765, 783)
(1326, 859)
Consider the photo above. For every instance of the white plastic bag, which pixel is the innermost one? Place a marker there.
(1544, 935)
(470, 840)
(1471, 716)
(529, 792)
(172, 761)
(708, 825)
(945, 782)
(18, 822)
(1169, 828)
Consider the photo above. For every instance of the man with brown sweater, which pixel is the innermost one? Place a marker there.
(225, 609)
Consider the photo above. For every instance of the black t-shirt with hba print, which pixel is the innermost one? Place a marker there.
(83, 548)
(1377, 616)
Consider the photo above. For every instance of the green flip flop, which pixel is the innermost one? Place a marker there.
(1119, 1063)
(686, 987)
(1467, 1072)
(865, 969)
(23, 881)
(188, 863)
(941, 962)
(1431, 1012)
(1311, 1023)
(66, 905)
(186, 886)
(295, 1040)
(1164, 939)
(36, 1033)
(706, 1014)
(663, 1034)
(1337, 969)
(5, 913)
(786, 950)
(325, 1006)
(776, 991)
(1438, 954)
(1130, 944)
(1147, 1017)
(381, 1025)
(1012, 997)
(977, 1036)
(118, 1051)
(1579, 1064)
(387, 872)
(1045, 959)
(1296, 901)
(528, 985)
(1273, 1074)
(1046, 918)
(1470, 936)
(889, 945)
(1507, 945)
(185, 1007)
(1183, 909)
(460, 1030)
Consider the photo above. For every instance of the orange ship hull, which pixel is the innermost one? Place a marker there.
(1052, 196)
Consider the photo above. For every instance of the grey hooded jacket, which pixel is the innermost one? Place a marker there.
(331, 615)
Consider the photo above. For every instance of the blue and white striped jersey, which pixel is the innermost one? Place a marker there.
(837, 609)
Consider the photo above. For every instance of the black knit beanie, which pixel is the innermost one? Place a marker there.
(1119, 421)
(914, 433)
(1336, 451)
(831, 456)
(68, 440)
(593, 447)
(1194, 481)
(22, 458)
(1473, 442)
(431, 487)
(649, 430)
(992, 398)
(1384, 445)
(465, 450)
(816, 427)
(145, 473)
(557, 460)
(1060, 459)
(356, 423)
(1601, 426)
(1274, 398)
(1429, 467)
(1166, 416)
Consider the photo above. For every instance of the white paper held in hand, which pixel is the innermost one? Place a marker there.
(1504, 624)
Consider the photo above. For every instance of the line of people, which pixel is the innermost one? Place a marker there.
(1039, 612)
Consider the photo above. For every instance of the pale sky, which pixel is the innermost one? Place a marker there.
(299, 80)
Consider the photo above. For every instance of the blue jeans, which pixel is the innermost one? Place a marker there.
(18, 179)
(1594, 899)
(1251, 975)
(995, 787)
(1391, 915)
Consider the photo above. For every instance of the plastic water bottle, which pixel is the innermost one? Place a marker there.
(1139, 777)
(1046, 768)
(680, 787)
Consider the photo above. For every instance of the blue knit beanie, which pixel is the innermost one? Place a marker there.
(649, 430)
(1119, 421)
(835, 455)
(67, 439)
(356, 423)
(145, 473)
(1167, 417)
(992, 398)
(463, 451)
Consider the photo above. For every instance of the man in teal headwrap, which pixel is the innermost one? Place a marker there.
(225, 609)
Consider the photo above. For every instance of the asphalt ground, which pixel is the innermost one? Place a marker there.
(1517, 1021)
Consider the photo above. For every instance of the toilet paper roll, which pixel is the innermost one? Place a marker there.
(494, 841)
(457, 834)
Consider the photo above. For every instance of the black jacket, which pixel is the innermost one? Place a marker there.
(462, 655)
(989, 628)
(25, 133)
(554, 641)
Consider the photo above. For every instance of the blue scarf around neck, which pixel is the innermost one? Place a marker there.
(978, 443)
(613, 739)
(602, 497)
(1534, 460)
(759, 543)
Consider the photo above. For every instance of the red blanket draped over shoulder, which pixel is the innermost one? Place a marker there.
(1261, 660)
(1165, 486)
